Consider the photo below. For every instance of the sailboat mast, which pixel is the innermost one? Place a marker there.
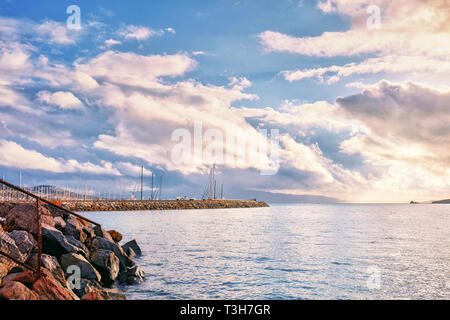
(142, 182)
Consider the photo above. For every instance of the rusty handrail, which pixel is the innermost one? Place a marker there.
(47, 202)
(18, 262)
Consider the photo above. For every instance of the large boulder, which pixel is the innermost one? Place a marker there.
(27, 278)
(8, 246)
(23, 216)
(101, 243)
(133, 245)
(55, 243)
(87, 270)
(13, 290)
(100, 232)
(107, 264)
(133, 275)
(82, 249)
(74, 229)
(4, 208)
(48, 288)
(51, 264)
(24, 241)
(60, 224)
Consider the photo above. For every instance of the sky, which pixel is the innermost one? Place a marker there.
(335, 100)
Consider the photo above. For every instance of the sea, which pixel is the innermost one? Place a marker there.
(290, 252)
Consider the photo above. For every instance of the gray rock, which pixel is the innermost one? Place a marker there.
(50, 263)
(60, 224)
(87, 270)
(55, 243)
(101, 243)
(74, 228)
(133, 275)
(8, 245)
(82, 249)
(100, 232)
(107, 264)
(89, 233)
(133, 245)
(24, 241)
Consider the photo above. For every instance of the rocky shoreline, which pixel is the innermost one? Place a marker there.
(130, 205)
(70, 247)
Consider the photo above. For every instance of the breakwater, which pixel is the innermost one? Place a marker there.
(57, 245)
(135, 205)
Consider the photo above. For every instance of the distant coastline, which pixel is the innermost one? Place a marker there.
(441, 201)
(137, 205)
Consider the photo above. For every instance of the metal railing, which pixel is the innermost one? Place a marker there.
(10, 196)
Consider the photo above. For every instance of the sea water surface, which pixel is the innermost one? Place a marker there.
(301, 251)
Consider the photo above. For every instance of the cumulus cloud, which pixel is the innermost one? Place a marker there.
(302, 118)
(64, 100)
(147, 109)
(407, 122)
(55, 32)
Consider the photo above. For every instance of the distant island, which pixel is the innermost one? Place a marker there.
(442, 201)
(432, 202)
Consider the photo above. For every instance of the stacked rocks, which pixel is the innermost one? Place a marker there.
(134, 205)
(79, 261)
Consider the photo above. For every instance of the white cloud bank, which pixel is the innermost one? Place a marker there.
(411, 40)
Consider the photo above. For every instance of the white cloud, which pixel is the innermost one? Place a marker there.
(111, 42)
(136, 70)
(407, 122)
(303, 118)
(409, 41)
(138, 32)
(388, 64)
(64, 100)
(55, 32)
(14, 155)
(170, 30)
(86, 81)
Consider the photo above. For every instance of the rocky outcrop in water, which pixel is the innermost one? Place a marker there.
(67, 242)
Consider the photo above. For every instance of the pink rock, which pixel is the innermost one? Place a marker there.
(13, 290)
(48, 288)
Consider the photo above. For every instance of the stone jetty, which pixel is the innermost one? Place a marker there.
(68, 243)
(135, 205)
